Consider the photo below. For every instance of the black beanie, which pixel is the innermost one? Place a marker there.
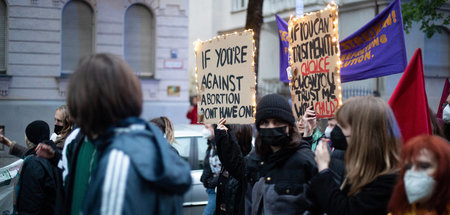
(274, 106)
(37, 131)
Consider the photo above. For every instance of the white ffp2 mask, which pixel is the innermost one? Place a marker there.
(418, 185)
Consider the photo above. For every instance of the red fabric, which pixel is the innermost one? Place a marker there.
(192, 115)
(409, 100)
(444, 96)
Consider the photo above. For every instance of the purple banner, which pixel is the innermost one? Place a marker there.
(284, 48)
(377, 49)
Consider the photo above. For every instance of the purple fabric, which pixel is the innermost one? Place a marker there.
(284, 47)
(381, 47)
(366, 53)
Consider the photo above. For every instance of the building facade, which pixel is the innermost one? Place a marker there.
(230, 16)
(41, 42)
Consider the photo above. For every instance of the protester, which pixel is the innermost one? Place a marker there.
(192, 112)
(276, 171)
(339, 147)
(230, 191)
(166, 127)
(35, 191)
(35, 133)
(424, 185)
(211, 169)
(330, 125)
(63, 126)
(307, 127)
(118, 163)
(369, 127)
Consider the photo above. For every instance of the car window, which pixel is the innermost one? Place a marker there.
(202, 145)
(182, 144)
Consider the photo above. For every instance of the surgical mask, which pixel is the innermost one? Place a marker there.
(338, 139)
(446, 114)
(274, 136)
(328, 132)
(418, 185)
(206, 133)
(58, 129)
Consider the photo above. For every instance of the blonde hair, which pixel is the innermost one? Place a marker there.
(166, 127)
(374, 145)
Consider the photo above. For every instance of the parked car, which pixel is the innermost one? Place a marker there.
(192, 147)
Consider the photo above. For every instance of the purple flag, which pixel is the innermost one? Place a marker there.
(377, 49)
(284, 48)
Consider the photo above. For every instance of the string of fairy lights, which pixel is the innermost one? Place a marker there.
(334, 10)
(197, 47)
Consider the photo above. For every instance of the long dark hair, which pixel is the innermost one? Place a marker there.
(102, 91)
(244, 136)
(264, 150)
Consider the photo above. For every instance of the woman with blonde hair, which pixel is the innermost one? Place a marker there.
(369, 127)
(63, 126)
(166, 127)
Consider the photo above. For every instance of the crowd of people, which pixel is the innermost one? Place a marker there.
(104, 159)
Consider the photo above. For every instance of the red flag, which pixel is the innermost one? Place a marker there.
(444, 96)
(409, 100)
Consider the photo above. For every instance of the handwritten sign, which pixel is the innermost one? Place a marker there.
(226, 78)
(314, 51)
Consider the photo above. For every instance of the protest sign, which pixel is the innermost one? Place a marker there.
(314, 60)
(226, 79)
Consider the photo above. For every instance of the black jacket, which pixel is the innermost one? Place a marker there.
(273, 185)
(208, 179)
(372, 199)
(37, 186)
(337, 164)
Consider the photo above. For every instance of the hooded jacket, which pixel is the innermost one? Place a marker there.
(137, 173)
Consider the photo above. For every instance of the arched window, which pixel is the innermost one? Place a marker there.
(140, 40)
(3, 30)
(77, 34)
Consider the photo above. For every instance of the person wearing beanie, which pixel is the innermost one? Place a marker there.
(36, 189)
(35, 133)
(277, 170)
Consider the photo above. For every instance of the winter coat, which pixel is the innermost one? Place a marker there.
(208, 178)
(273, 185)
(137, 173)
(371, 199)
(37, 187)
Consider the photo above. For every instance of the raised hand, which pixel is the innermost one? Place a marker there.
(45, 151)
(221, 124)
(310, 121)
(322, 154)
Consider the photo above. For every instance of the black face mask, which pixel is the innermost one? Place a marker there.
(58, 129)
(338, 139)
(274, 136)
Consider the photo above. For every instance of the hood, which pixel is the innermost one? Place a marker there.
(150, 154)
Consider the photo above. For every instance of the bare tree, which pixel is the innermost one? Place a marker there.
(254, 22)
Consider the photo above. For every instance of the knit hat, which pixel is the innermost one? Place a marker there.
(37, 131)
(274, 106)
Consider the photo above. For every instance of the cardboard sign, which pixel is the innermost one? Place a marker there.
(226, 79)
(314, 52)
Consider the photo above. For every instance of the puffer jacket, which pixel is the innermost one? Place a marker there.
(273, 185)
(137, 173)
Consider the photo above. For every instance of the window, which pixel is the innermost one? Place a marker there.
(77, 34)
(140, 39)
(3, 31)
(239, 5)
